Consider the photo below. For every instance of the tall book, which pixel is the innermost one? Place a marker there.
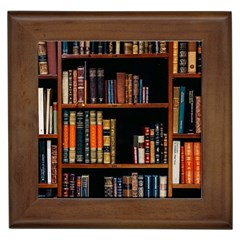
(192, 57)
(49, 161)
(198, 114)
(141, 149)
(80, 84)
(87, 137)
(93, 85)
(70, 86)
(175, 56)
(196, 162)
(152, 145)
(100, 85)
(75, 86)
(65, 136)
(42, 160)
(52, 57)
(176, 162)
(40, 111)
(42, 58)
(147, 144)
(80, 137)
(72, 136)
(55, 122)
(48, 103)
(113, 123)
(106, 141)
(176, 97)
(65, 87)
(182, 57)
(93, 136)
(182, 109)
(120, 87)
(99, 137)
(190, 112)
(135, 83)
(188, 152)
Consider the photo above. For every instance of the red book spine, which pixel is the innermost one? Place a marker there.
(197, 163)
(182, 163)
(52, 57)
(188, 147)
(147, 144)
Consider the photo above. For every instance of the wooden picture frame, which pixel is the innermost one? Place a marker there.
(212, 211)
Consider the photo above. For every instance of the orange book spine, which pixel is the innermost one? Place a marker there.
(72, 136)
(188, 151)
(197, 163)
(182, 163)
(99, 136)
(93, 137)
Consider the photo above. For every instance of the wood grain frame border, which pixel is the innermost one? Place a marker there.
(212, 211)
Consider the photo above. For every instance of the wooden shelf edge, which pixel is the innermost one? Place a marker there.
(187, 136)
(98, 165)
(187, 186)
(117, 105)
(45, 185)
(112, 56)
(47, 136)
(48, 76)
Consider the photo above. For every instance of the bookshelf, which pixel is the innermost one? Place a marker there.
(32, 206)
(155, 70)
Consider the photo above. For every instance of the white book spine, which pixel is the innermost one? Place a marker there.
(49, 162)
(48, 110)
(50, 120)
(162, 186)
(40, 111)
(141, 149)
(176, 162)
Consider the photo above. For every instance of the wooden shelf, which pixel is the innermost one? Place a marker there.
(47, 136)
(187, 136)
(45, 185)
(106, 105)
(187, 75)
(48, 76)
(69, 165)
(187, 186)
(117, 56)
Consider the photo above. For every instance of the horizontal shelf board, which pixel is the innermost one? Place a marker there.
(45, 185)
(99, 165)
(117, 56)
(48, 76)
(47, 136)
(187, 136)
(187, 186)
(187, 75)
(117, 105)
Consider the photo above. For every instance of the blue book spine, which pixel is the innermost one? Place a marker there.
(155, 186)
(119, 187)
(109, 91)
(85, 186)
(140, 90)
(147, 186)
(112, 91)
(65, 47)
(181, 109)
(42, 162)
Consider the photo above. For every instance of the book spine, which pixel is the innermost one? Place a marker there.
(134, 184)
(176, 94)
(40, 111)
(152, 145)
(72, 136)
(75, 48)
(70, 86)
(192, 57)
(49, 162)
(176, 162)
(80, 84)
(93, 85)
(190, 111)
(100, 85)
(99, 137)
(54, 160)
(119, 187)
(65, 87)
(135, 88)
(42, 58)
(147, 144)
(87, 137)
(157, 142)
(65, 136)
(85, 186)
(93, 137)
(182, 57)
(81, 47)
(64, 47)
(175, 56)
(198, 114)
(197, 163)
(181, 109)
(162, 186)
(106, 141)
(199, 57)
(87, 47)
(127, 186)
(130, 88)
(55, 122)
(147, 186)
(113, 123)
(48, 103)
(165, 146)
(78, 186)
(163, 47)
(141, 149)
(72, 185)
(120, 76)
(80, 137)
(188, 148)
(140, 186)
(42, 162)
(182, 163)
(108, 187)
(65, 185)
(52, 57)
(115, 187)
(75, 86)
(161, 144)
(155, 186)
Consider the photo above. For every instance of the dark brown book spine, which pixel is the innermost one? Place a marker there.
(182, 57)
(80, 84)
(52, 57)
(93, 85)
(100, 85)
(120, 87)
(199, 57)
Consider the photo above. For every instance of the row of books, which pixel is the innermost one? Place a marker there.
(114, 47)
(187, 57)
(75, 186)
(47, 161)
(186, 111)
(47, 112)
(135, 186)
(47, 57)
(186, 162)
(125, 88)
(88, 138)
(151, 147)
